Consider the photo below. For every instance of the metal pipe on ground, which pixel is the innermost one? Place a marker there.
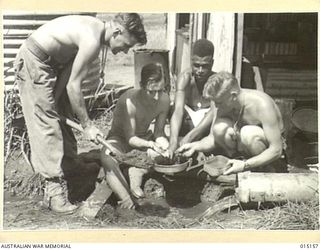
(268, 187)
(277, 187)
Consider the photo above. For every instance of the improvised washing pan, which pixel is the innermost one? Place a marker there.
(162, 165)
(214, 166)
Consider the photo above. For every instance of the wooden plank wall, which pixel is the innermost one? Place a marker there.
(18, 26)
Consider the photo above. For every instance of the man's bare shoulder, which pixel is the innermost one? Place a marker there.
(260, 96)
(128, 94)
(70, 23)
(81, 20)
(261, 102)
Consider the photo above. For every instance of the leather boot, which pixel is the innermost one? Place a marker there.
(135, 177)
(56, 196)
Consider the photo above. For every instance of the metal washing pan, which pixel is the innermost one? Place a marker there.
(172, 169)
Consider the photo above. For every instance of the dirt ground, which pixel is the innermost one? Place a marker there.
(171, 202)
(178, 209)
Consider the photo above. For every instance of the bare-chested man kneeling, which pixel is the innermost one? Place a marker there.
(134, 112)
(248, 123)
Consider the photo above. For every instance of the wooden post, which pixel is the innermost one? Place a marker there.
(239, 46)
(222, 33)
(192, 33)
(171, 38)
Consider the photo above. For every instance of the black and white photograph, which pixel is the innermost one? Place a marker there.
(173, 120)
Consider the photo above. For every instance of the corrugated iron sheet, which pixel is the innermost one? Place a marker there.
(18, 26)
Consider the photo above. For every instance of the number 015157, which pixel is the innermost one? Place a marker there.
(309, 246)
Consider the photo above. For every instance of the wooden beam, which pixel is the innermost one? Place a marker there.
(239, 46)
(221, 32)
(171, 38)
(191, 31)
(200, 26)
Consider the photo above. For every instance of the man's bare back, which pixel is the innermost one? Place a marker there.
(62, 37)
(255, 105)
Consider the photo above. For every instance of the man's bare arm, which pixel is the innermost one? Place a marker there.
(271, 128)
(203, 126)
(86, 54)
(162, 117)
(177, 116)
(206, 144)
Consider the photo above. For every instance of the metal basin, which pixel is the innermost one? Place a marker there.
(170, 169)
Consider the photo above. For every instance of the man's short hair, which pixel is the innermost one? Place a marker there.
(218, 84)
(151, 71)
(132, 22)
(202, 48)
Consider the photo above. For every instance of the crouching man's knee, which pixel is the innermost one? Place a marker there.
(224, 133)
(220, 127)
(253, 139)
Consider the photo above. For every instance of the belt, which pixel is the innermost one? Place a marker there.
(36, 49)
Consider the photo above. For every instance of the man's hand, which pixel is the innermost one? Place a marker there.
(201, 157)
(91, 132)
(170, 151)
(235, 166)
(187, 150)
(162, 142)
(156, 147)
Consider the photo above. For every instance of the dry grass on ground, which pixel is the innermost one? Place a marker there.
(292, 216)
